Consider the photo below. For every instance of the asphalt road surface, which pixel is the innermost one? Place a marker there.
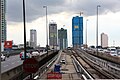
(10, 63)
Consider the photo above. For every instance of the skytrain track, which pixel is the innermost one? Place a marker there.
(100, 69)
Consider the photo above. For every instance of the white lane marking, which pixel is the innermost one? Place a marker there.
(18, 61)
(5, 66)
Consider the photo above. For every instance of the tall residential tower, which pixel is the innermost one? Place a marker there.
(104, 40)
(3, 23)
(33, 38)
(53, 35)
(77, 31)
(62, 38)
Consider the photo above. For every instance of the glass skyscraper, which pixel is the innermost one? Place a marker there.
(77, 31)
(33, 38)
(62, 38)
(3, 23)
(53, 35)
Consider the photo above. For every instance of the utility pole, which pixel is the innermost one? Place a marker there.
(24, 29)
(97, 29)
(86, 32)
(46, 29)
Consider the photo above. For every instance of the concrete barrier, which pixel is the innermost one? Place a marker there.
(15, 73)
(108, 57)
(11, 73)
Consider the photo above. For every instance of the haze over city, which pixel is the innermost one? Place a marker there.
(62, 12)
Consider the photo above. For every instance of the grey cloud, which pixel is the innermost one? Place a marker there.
(34, 8)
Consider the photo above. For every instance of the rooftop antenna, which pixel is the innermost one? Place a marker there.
(80, 13)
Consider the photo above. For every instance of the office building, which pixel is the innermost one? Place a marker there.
(62, 38)
(3, 23)
(104, 40)
(33, 38)
(77, 31)
(53, 35)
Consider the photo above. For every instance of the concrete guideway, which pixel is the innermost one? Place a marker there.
(103, 70)
(67, 70)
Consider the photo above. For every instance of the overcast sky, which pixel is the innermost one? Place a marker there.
(62, 11)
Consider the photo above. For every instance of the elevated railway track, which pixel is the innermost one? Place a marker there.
(96, 67)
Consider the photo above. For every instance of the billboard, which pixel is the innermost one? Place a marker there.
(8, 44)
(54, 75)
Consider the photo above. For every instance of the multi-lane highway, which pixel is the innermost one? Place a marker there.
(10, 63)
(79, 57)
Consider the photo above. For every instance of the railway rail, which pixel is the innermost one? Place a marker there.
(105, 68)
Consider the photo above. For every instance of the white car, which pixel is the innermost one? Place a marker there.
(3, 57)
(35, 53)
(113, 53)
(63, 61)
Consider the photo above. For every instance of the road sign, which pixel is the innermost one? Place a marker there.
(30, 65)
(8, 44)
(54, 75)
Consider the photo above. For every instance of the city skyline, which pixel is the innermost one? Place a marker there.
(108, 18)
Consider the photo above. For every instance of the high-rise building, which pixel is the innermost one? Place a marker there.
(104, 40)
(62, 38)
(33, 38)
(3, 23)
(77, 31)
(53, 35)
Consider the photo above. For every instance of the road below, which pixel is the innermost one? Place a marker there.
(10, 63)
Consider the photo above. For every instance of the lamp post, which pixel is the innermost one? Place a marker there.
(46, 29)
(86, 32)
(97, 29)
(24, 29)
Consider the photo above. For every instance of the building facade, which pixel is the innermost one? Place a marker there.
(104, 40)
(3, 23)
(33, 38)
(62, 38)
(53, 35)
(77, 31)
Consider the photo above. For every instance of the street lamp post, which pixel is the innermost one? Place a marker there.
(97, 29)
(24, 29)
(46, 29)
(86, 32)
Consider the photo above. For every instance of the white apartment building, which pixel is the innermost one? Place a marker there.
(104, 40)
(33, 38)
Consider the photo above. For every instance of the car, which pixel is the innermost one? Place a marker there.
(28, 55)
(35, 53)
(106, 51)
(63, 61)
(3, 57)
(100, 50)
(118, 52)
(113, 52)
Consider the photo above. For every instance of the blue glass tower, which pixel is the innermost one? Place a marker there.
(77, 31)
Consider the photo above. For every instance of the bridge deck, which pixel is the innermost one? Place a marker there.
(68, 71)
